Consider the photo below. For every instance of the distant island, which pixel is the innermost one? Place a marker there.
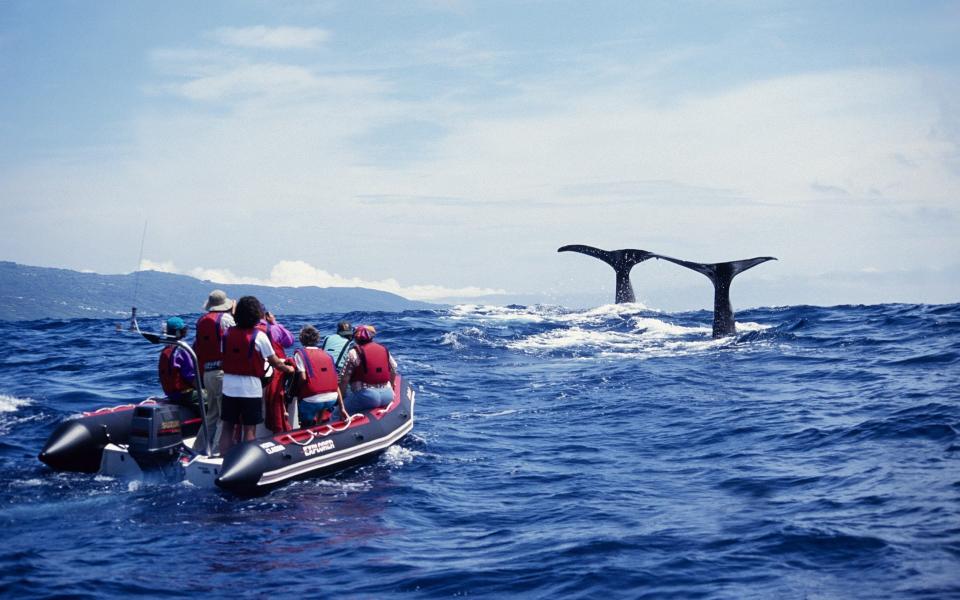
(28, 293)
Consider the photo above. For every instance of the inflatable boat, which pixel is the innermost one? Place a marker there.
(157, 437)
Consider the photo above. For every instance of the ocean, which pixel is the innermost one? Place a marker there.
(618, 452)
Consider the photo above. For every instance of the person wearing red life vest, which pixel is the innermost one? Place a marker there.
(318, 385)
(246, 354)
(208, 345)
(176, 367)
(369, 372)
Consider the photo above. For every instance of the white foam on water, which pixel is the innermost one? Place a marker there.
(748, 326)
(662, 329)
(583, 330)
(451, 339)
(9, 405)
(12, 404)
(398, 456)
(330, 486)
(574, 337)
(649, 338)
(495, 313)
(548, 314)
(669, 348)
(28, 483)
(609, 310)
(490, 415)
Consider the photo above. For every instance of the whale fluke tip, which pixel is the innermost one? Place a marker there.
(621, 260)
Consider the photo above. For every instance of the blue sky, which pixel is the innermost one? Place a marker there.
(445, 149)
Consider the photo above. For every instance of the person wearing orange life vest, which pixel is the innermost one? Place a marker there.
(208, 345)
(176, 367)
(317, 383)
(247, 352)
(369, 372)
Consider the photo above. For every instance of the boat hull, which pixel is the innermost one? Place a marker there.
(97, 442)
(258, 465)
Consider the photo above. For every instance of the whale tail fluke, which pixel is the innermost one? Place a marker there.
(622, 262)
(721, 274)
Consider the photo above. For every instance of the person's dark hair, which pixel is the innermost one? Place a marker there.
(309, 336)
(249, 312)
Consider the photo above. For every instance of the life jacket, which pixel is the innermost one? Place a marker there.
(171, 380)
(209, 342)
(374, 368)
(275, 406)
(277, 348)
(240, 354)
(321, 374)
(338, 346)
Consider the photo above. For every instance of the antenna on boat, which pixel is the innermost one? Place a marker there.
(136, 281)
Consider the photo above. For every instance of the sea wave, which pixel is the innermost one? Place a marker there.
(613, 452)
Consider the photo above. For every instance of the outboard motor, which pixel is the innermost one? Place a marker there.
(155, 435)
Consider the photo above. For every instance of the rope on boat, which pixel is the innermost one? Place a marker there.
(319, 432)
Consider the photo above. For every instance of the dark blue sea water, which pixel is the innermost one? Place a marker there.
(609, 453)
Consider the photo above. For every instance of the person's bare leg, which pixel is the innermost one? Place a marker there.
(228, 434)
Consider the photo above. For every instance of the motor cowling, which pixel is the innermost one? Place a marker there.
(155, 435)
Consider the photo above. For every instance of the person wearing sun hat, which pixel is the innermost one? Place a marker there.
(211, 329)
(176, 368)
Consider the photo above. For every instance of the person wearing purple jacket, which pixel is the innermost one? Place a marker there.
(280, 336)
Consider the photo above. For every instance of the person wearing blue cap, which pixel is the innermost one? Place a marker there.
(176, 367)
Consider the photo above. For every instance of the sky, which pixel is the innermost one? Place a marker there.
(445, 149)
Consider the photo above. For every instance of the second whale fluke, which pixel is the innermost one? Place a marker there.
(721, 274)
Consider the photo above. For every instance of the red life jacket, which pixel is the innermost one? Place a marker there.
(374, 368)
(171, 380)
(321, 373)
(277, 348)
(209, 342)
(240, 354)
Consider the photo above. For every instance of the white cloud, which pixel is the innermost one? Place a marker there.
(297, 273)
(463, 50)
(270, 37)
(249, 80)
(806, 167)
(164, 266)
